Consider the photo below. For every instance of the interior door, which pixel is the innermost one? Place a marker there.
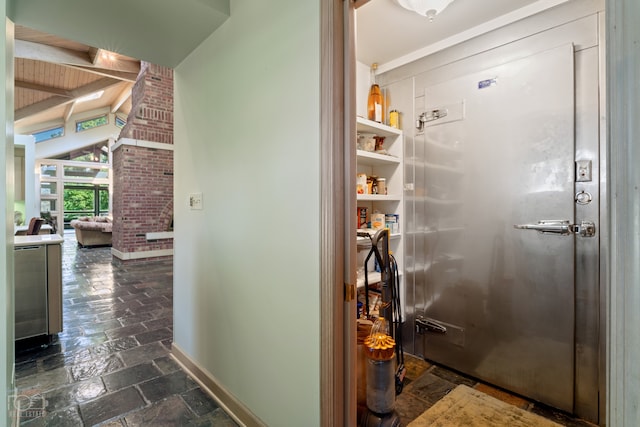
(498, 301)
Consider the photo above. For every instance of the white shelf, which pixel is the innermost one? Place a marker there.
(373, 276)
(365, 241)
(379, 197)
(377, 128)
(375, 159)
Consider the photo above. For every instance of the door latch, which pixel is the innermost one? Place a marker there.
(424, 325)
(430, 116)
(584, 229)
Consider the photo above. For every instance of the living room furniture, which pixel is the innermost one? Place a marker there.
(93, 231)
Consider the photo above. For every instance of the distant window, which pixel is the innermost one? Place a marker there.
(47, 134)
(91, 123)
(98, 153)
(120, 122)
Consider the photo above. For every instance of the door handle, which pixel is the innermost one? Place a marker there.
(562, 227)
(547, 227)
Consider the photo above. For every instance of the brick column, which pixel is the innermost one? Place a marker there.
(143, 170)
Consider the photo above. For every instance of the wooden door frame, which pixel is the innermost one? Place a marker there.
(338, 251)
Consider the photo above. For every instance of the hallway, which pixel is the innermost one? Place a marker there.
(111, 366)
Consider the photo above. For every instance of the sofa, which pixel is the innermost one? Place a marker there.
(93, 231)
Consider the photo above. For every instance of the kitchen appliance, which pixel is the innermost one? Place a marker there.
(506, 240)
(38, 288)
(384, 365)
(30, 291)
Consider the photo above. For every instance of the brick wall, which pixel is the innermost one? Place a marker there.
(151, 117)
(143, 172)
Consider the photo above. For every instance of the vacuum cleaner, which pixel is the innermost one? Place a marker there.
(384, 353)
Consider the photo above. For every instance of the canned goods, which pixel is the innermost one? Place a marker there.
(394, 119)
(382, 185)
(361, 183)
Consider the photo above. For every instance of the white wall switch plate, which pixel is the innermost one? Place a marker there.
(195, 201)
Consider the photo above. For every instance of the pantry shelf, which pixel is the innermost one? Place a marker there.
(379, 197)
(374, 159)
(387, 163)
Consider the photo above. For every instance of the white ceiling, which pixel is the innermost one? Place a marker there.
(385, 31)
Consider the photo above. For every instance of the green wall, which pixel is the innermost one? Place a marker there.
(158, 31)
(246, 300)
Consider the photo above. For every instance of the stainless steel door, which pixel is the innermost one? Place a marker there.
(498, 301)
(30, 291)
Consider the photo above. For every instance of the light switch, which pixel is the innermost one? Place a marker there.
(583, 170)
(195, 201)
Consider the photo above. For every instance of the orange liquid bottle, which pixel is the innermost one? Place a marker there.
(375, 101)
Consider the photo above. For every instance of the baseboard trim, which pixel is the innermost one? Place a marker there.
(228, 402)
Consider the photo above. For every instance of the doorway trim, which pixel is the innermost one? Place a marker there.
(336, 405)
(623, 180)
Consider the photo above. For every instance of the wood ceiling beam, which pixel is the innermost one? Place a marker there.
(121, 98)
(95, 86)
(57, 100)
(120, 75)
(38, 107)
(69, 111)
(43, 52)
(94, 53)
(97, 61)
(102, 58)
(42, 88)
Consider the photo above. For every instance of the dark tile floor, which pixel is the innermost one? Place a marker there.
(111, 365)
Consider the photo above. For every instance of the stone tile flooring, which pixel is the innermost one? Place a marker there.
(111, 365)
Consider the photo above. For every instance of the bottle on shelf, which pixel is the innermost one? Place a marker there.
(394, 119)
(375, 101)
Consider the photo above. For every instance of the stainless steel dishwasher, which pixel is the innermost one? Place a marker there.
(30, 291)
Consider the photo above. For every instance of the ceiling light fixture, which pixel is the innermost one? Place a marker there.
(428, 8)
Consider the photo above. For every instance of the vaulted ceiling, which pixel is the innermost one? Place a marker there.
(52, 75)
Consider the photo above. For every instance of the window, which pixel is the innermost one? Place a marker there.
(85, 172)
(48, 205)
(84, 200)
(83, 125)
(48, 170)
(48, 188)
(96, 153)
(120, 122)
(47, 134)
